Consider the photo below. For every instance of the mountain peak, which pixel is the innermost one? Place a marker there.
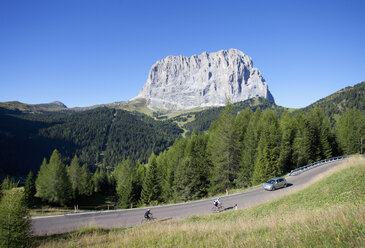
(59, 104)
(179, 83)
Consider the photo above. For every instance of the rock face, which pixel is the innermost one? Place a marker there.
(179, 83)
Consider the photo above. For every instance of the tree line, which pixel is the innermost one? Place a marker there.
(239, 150)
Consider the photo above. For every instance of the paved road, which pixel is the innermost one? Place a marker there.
(132, 217)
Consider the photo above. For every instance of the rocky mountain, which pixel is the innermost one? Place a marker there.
(179, 83)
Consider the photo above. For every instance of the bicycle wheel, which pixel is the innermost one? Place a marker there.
(144, 220)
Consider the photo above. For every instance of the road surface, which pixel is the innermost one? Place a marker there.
(48, 225)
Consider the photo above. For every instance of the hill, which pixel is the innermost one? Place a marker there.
(347, 98)
(99, 137)
(329, 213)
(18, 107)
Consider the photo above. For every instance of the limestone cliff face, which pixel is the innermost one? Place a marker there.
(178, 82)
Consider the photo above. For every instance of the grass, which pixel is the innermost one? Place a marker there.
(98, 202)
(47, 210)
(329, 213)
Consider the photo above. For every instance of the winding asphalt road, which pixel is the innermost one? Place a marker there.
(132, 217)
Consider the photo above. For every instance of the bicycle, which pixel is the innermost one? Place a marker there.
(218, 209)
(148, 220)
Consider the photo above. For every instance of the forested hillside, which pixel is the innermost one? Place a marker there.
(100, 137)
(239, 151)
(105, 136)
(338, 102)
(203, 119)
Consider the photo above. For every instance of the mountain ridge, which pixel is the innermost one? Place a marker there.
(16, 106)
(355, 92)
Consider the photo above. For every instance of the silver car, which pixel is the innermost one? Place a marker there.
(275, 183)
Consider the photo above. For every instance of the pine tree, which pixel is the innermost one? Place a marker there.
(43, 180)
(316, 118)
(289, 129)
(268, 151)
(74, 173)
(350, 131)
(174, 158)
(303, 142)
(164, 172)
(9, 183)
(85, 185)
(151, 190)
(249, 151)
(111, 184)
(183, 177)
(203, 166)
(241, 124)
(30, 190)
(224, 150)
(192, 174)
(123, 175)
(138, 178)
(327, 139)
(14, 220)
(52, 182)
(100, 181)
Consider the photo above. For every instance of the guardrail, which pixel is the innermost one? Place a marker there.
(316, 164)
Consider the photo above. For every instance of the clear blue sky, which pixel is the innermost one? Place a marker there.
(88, 52)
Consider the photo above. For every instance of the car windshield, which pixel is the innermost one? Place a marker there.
(271, 181)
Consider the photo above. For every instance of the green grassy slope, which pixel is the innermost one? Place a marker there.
(329, 213)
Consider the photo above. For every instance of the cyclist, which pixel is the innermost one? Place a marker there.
(148, 214)
(217, 203)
